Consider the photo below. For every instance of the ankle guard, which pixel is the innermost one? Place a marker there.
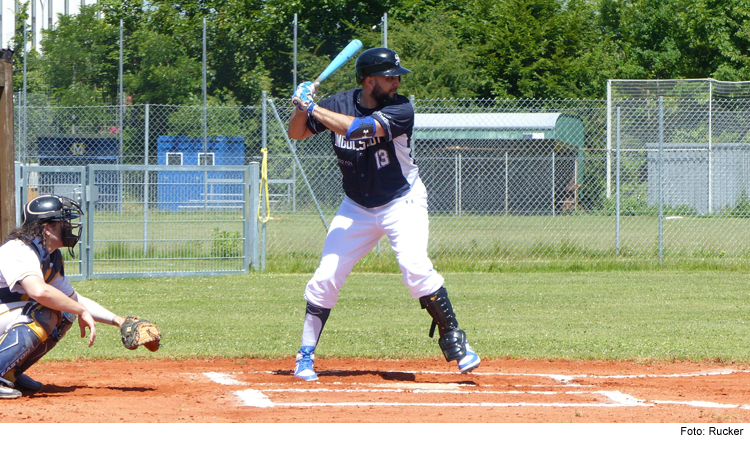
(452, 339)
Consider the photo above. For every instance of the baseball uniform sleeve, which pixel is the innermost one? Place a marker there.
(395, 119)
(17, 261)
(61, 283)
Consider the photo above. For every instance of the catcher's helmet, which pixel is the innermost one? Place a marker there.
(51, 208)
(379, 61)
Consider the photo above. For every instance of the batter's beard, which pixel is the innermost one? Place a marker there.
(382, 97)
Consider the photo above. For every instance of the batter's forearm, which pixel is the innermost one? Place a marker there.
(298, 125)
(336, 122)
(339, 123)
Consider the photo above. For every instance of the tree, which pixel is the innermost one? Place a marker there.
(161, 72)
(81, 59)
(680, 38)
(531, 48)
(442, 65)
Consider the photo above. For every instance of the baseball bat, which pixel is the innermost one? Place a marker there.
(343, 56)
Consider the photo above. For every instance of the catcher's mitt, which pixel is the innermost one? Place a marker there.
(135, 332)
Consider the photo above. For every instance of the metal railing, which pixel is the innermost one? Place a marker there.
(150, 221)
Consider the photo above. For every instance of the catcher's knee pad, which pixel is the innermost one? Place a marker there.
(452, 339)
(33, 327)
(43, 348)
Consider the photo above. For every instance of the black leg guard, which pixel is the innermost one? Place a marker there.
(315, 321)
(452, 339)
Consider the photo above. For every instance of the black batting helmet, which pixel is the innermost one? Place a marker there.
(51, 208)
(379, 61)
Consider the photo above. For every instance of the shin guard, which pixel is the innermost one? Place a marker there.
(43, 348)
(452, 339)
(315, 321)
(33, 328)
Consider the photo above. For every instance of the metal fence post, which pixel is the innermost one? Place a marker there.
(87, 251)
(661, 180)
(251, 248)
(617, 184)
(121, 93)
(553, 182)
(145, 181)
(506, 183)
(203, 89)
(264, 144)
(20, 187)
(710, 148)
(457, 169)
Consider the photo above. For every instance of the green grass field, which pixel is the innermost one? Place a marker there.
(659, 315)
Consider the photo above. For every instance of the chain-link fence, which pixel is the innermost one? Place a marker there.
(684, 167)
(508, 181)
(522, 182)
(156, 220)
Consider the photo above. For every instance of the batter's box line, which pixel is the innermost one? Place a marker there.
(257, 398)
(223, 378)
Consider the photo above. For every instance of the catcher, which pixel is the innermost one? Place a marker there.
(37, 303)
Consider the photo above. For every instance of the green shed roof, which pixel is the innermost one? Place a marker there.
(560, 126)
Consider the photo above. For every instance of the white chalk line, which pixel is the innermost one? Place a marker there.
(255, 398)
(564, 378)
(258, 398)
(223, 378)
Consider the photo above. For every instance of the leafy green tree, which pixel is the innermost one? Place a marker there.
(34, 80)
(81, 58)
(442, 65)
(161, 72)
(680, 38)
(530, 48)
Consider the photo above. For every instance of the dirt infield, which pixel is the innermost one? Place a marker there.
(377, 391)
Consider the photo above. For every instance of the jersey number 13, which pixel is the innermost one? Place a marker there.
(381, 158)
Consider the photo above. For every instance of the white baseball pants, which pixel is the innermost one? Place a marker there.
(356, 230)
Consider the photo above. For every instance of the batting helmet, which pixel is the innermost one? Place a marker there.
(379, 61)
(51, 208)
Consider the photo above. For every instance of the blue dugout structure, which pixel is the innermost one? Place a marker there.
(81, 151)
(183, 190)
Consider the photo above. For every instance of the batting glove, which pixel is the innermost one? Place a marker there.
(304, 96)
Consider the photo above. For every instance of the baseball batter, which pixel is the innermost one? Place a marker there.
(37, 303)
(371, 129)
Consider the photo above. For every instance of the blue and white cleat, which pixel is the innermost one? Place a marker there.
(303, 368)
(470, 361)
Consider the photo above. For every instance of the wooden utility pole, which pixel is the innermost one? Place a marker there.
(7, 149)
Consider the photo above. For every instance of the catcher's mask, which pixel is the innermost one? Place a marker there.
(379, 61)
(51, 208)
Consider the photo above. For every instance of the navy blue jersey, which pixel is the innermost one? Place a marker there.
(378, 170)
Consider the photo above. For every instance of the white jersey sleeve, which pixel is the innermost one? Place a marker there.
(18, 261)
